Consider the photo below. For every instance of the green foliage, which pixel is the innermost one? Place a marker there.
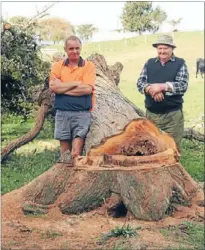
(140, 17)
(54, 29)
(124, 231)
(19, 20)
(21, 67)
(86, 31)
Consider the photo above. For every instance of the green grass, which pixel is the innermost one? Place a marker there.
(193, 158)
(125, 231)
(30, 160)
(14, 127)
(23, 168)
(50, 234)
(189, 234)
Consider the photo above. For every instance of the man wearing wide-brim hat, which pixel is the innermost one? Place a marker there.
(164, 80)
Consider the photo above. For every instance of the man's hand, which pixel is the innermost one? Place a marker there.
(158, 97)
(155, 89)
(54, 83)
(61, 87)
(146, 90)
(83, 89)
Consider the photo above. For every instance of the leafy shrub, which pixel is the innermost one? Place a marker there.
(21, 68)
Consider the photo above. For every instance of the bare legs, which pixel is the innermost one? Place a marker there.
(75, 146)
(65, 145)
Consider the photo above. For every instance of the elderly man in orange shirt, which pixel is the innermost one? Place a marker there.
(72, 80)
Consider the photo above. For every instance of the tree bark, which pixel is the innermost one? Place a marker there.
(112, 110)
(146, 190)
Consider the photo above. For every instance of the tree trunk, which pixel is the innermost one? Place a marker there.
(140, 165)
(112, 110)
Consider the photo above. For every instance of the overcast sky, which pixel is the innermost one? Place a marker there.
(105, 15)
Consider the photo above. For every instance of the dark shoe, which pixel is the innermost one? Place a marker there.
(66, 158)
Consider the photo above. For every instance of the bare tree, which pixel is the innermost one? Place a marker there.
(174, 23)
(86, 31)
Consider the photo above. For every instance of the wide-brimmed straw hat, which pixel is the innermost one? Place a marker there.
(165, 40)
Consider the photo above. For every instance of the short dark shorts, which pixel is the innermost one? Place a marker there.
(71, 124)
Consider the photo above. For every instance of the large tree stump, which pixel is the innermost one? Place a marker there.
(140, 165)
(126, 156)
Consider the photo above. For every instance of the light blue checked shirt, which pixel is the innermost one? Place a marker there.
(179, 86)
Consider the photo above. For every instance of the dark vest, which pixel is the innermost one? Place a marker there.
(158, 73)
(73, 103)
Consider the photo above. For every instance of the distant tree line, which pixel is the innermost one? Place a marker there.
(56, 29)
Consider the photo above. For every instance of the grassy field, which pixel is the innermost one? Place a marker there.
(36, 157)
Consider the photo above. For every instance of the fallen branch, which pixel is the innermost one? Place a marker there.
(191, 133)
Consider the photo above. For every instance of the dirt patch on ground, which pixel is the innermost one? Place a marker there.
(58, 231)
